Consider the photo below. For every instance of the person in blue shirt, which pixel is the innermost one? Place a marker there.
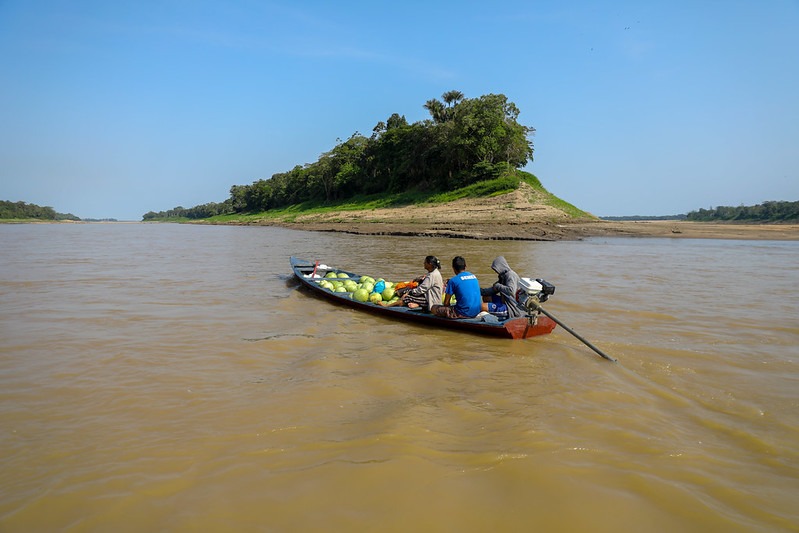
(466, 289)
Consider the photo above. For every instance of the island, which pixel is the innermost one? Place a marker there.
(456, 174)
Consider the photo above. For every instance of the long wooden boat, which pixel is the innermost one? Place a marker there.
(310, 273)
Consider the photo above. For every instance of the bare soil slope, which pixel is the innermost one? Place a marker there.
(519, 215)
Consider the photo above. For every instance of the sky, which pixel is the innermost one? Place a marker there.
(114, 109)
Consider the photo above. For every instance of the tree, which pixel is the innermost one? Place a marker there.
(396, 121)
(340, 168)
(440, 112)
(452, 97)
(238, 198)
(486, 131)
(437, 110)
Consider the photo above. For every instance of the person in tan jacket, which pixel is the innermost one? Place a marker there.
(428, 291)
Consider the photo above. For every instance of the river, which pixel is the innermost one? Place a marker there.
(162, 377)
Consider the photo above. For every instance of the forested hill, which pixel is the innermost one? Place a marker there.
(765, 212)
(465, 141)
(21, 210)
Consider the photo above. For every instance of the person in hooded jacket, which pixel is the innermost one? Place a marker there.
(500, 298)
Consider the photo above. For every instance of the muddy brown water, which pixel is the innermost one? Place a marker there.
(158, 377)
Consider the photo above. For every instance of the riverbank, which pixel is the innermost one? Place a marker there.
(520, 215)
(547, 231)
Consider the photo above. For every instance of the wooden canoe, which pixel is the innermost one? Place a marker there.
(309, 273)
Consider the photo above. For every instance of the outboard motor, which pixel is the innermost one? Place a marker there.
(533, 292)
(536, 288)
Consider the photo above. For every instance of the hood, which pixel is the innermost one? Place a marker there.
(500, 266)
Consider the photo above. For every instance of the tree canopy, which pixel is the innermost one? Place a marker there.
(465, 140)
(765, 212)
(22, 210)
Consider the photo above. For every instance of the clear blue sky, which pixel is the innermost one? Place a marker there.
(113, 109)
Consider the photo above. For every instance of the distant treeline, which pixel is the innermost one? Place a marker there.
(208, 210)
(21, 210)
(765, 212)
(465, 140)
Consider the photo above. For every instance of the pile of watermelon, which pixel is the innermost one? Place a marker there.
(366, 289)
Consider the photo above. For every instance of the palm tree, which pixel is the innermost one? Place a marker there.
(452, 97)
(436, 110)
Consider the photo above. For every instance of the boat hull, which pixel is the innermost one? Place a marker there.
(513, 328)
